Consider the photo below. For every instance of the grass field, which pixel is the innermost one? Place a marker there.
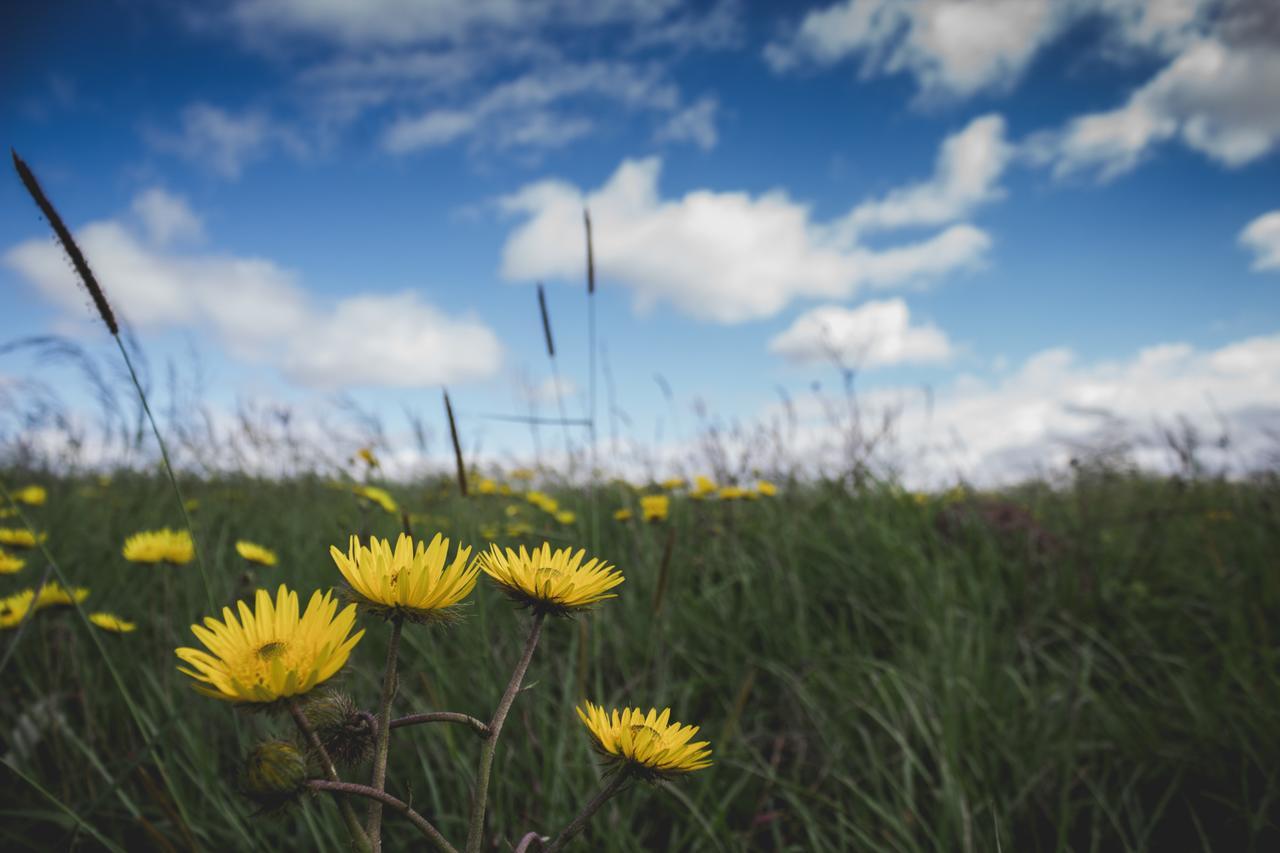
(1087, 667)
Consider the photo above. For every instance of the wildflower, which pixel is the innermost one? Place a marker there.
(673, 483)
(20, 537)
(9, 564)
(345, 732)
(505, 490)
(378, 496)
(519, 528)
(566, 517)
(275, 774)
(731, 493)
(406, 581)
(160, 546)
(7, 512)
(512, 511)
(256, 553)
(623, 514)
(54, 594)
(488, 531)
(14, 607)
(702, 487)
(487, 487)
(31, 495)
(271, 653)
(524, 474)
(191, 504)
(111, 622)
(648, 745)
(921, 498)
(366, 454)
(766, 488)
(549, 581)
(543, 502)
(655, 507)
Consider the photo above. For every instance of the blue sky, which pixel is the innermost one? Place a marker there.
(1047, 213)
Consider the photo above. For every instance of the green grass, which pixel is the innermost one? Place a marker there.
(874, 673)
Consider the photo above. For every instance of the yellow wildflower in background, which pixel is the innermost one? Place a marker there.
(271, 653)
(557, 582)
(7, 512)
(732, 493)
(10, 564)
(702, 487)
(256, 553)
(31, 495)
(648, 745)
(673, 483)
(366, 454)
(54, 594)
(406, 581)
(655, 507)
(160, 546)
(379, 497)
(111, 622)
(525, 474)
(566, 517)
(191, 504)
(14, 607)
(519, 528)
(766, 488)
(543, 501)
(20, 537)
(512, 511)
(623, 514)
(488, 531)
(487, 487)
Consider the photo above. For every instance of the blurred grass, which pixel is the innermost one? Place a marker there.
(1088, 667)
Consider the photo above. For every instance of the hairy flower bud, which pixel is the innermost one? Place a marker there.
(275, 773)
(346, 732)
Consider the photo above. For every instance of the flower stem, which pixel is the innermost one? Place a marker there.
(374, 823)
(442, 717)
(326, 764)
(579, 823)
(383, 798)
(479, 798)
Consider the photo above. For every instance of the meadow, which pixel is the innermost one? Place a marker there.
(1087, 665)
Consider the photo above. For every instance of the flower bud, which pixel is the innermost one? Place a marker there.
(275, 773)
(346, 732)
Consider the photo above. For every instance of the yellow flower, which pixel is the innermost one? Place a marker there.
(702, 487)
(54, 594)
(256, 553)
(766, 488)
(623, 514)
(271, 653)
(504, 490)
(655, 507)
(406, 581)
(525, 474)
(160, 546)
(488, 531)
(566, 517)
(366, 453)
(921, 498)
(191, 504)
(672, 483)
(648, 745)
(549, 581)
(7, 512)
(519, 528)
(14, 607)
(487, 487)
(111, 622)
(31, 495)
(543, 501)
(379, 497)
(20, 537)
(9, 564)
(512, 511)
(732, 493)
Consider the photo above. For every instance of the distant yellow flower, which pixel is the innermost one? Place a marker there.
(566, 516)
(655, 507)
(524, 474)
(673, 483)
(111, 622)
(505, 490)
(921, 498)
(487, 487)
(1218, 515)
(416, 583)
(31, 495)
(271, 653)
(702, 487)
(366, 454)
(557, 582)
(7, 512)
(648, 745)
(623, 514)
(379, 497)
(732, 493)
(14, 607)
(519, 528)
(512, 511)
(256, 553)
(191, 504)
(20, 537)
(9, 564)
(160, 546)
(766, 488)
(54, 594)
(543, 501)
(488, 531)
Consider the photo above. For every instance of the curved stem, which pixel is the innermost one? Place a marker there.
(374, 824)
(579, 823)
(383, 798)
(442, 717)
(479, 798)
(326, 763)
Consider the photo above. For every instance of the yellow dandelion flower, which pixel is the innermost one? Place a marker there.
(512, 511)
(543, 501)
(488, 531)
(191, 504)
(20, 537)
(519, 528)
(271, 653)
(647, 745)
(524, 474)
(366, 454)
(487, 487)
(31, 495)
(673, 483)
(566, 516)
(9, 564)
(160, 546)
(505, 490)
(702, 487)
(655, 507)
(623, 514)
(111, 622)
(256, 553)
(731, 493)
(416, 583)
(14, 607)
(381, 497)
(8, 512)
(557, 582)
(766, 488)
(54, 594)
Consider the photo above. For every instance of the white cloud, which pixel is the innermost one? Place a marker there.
(731, 256)
(695, 123)
(167, 217)
(875, 334)
(222, 141)
(549, 390)
(1262, 237)
(258, 309)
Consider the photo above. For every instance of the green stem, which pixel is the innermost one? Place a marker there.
(331, 773)
(374, 821)
(480, 797)
(383, 798)
(579, 823)
(442, 717)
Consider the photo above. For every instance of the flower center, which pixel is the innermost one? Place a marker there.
(642, 735)
(272, 650)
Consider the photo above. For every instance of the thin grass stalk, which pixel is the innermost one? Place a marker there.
(379, 780)
(457, 446)
(80, 822)
(475, 832)
(358, 836)
(664, 571)
(383, 798)
(555, 374)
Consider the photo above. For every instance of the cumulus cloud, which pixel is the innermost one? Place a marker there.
(257, 309)
(695, 123)
(875, 334)
(730, 256)
(223, 141)
(1262, 237)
